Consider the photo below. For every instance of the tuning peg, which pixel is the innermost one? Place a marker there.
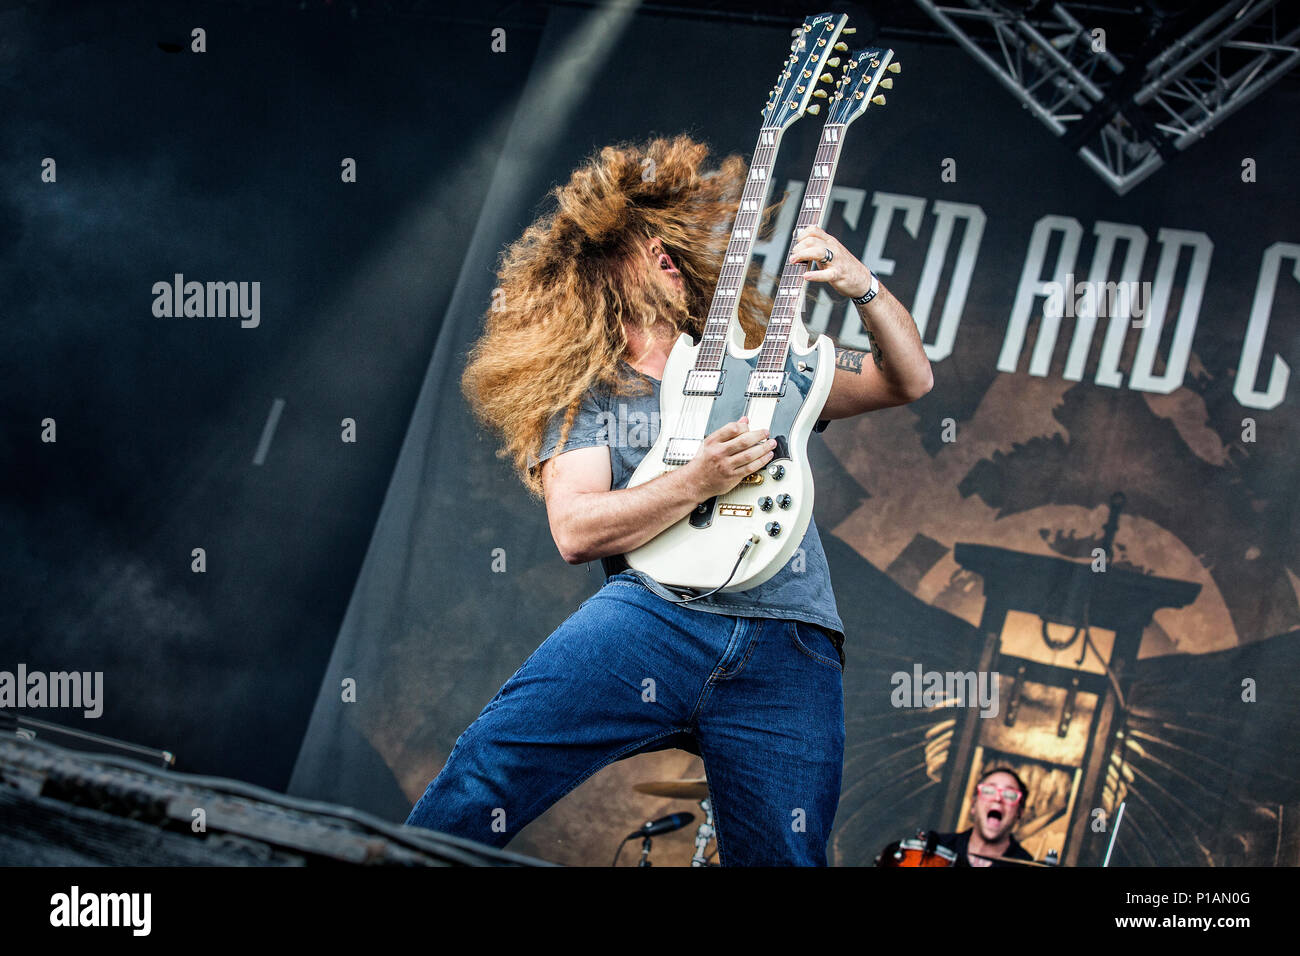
(833, 61)
(848, 31)
(826, 78)
(841, 48)
(821, 94)
(815, 109)
(887, 83)
(878, 100)
(895, 67)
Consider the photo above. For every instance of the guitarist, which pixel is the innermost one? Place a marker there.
(592, 298)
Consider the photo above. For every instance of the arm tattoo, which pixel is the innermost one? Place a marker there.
(849, 361)
(876, 355)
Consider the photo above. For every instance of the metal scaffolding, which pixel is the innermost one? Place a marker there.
(1127, 109)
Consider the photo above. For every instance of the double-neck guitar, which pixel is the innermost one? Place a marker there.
(735, 541)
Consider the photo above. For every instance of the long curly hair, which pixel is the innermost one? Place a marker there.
(565, 288)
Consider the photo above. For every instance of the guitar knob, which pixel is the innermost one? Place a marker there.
(773, 528)
(765, 503)
(783, 501)
(776, 471)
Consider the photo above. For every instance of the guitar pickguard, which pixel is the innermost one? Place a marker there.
(730, 405)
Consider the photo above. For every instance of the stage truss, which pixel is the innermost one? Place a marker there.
(1131, 98)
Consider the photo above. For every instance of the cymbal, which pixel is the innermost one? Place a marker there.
(697, 789)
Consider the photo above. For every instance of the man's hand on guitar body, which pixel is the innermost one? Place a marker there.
(589, 520)
(727, 456)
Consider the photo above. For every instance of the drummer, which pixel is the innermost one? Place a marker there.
(999, 803)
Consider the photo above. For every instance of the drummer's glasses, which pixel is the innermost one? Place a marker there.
(991, 791)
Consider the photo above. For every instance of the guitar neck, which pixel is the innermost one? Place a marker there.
(740, 250)
(812, 212)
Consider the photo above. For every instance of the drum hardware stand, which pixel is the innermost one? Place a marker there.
(703, 834)
(645, 852)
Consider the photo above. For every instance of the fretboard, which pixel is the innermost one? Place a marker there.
(812, 212)
(740, 250)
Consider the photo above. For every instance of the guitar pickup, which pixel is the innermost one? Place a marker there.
(703, 382)
(681, 450)
(765, 384)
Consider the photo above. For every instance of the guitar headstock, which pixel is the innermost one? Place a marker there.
(865, 75)
(812, 54)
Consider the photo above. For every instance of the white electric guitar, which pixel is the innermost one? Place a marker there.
(738, 540)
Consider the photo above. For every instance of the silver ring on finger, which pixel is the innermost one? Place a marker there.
(829, 256)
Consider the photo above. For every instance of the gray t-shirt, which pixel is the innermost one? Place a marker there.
(628, 425)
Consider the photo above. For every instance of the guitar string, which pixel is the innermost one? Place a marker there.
(775, 346)
(771, 357)
(695, 406)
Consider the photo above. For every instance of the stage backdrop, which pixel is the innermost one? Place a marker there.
(967, 533)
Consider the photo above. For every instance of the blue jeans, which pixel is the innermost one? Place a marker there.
(627, 671)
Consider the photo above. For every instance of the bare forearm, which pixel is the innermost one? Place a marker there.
(900, 372)
(895, 373)
(603, 523)
(896, 348)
